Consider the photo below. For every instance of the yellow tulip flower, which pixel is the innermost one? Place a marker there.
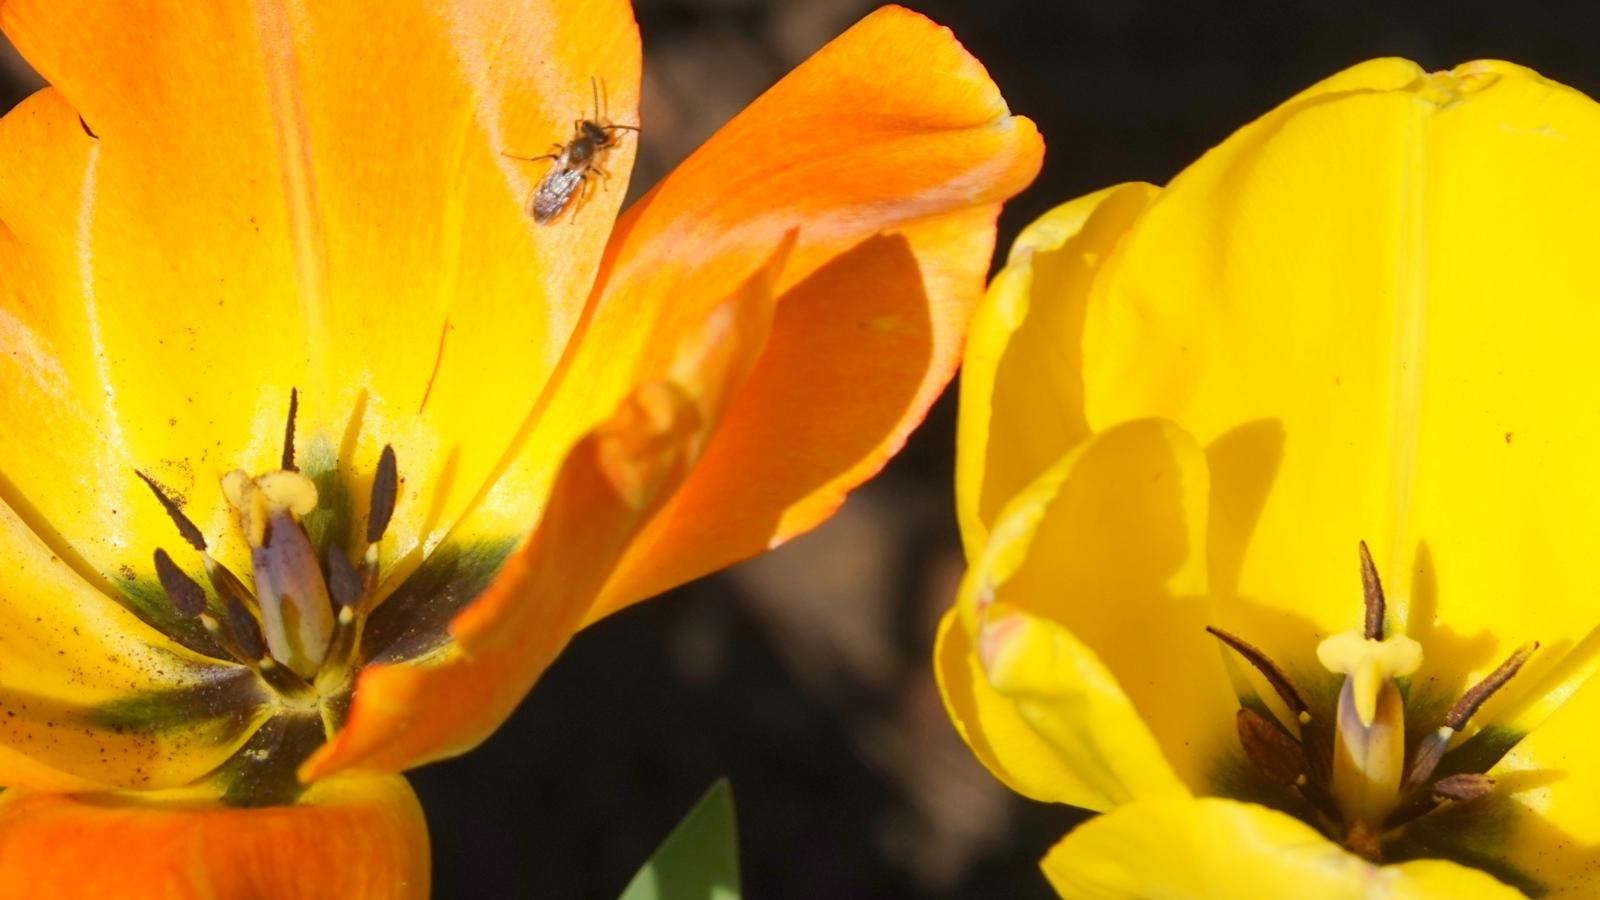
(318, 445)
(1275, 489)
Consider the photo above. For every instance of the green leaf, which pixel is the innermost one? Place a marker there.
(699, 860)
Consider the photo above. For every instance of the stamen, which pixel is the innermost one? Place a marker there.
(246, 631)
(1463, 788)
(344, 585)
(224, 639)
(288, 432)
(252, 647)
(1372, 594)
(1429, 751)
(191, 534)
(385, 488)
(1432, 747)
(1268, 669)
(186, 594)
(1480, 693)
(1275, 754)
(227, 584)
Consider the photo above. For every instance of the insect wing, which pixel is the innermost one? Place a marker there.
(555, 192)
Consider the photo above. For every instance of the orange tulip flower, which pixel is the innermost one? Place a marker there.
(220, 643)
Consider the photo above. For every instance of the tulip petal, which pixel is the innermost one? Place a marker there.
(357, 837)
(1022, 374)
(1381, 336)
(611, 483)
(999, 736)
(889, 151)
(1048, 717)
(1221, 848)
(292, 195)
(1099, 566)
(92, 697)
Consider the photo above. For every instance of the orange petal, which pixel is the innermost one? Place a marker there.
(358, 837)
(287, 194)
(610, 484)
(890, 150)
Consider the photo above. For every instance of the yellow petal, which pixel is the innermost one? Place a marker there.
(1075, 706)
(993, 726)
(296, 195)
(1380, 335)
(90, 696)
(1220, 848)
(359, 838)
(1022, 374)
(1106, 549)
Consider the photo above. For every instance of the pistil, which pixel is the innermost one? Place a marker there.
(296, 615)
(1369, 746)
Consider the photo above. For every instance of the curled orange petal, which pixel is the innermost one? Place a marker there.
(610, 484)
(890, 152)
(356, 837)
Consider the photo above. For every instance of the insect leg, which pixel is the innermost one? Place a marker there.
(585, 185)
(555, 155)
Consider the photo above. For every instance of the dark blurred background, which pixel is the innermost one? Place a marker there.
(804, 675)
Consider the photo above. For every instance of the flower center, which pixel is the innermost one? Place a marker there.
(298, 623)
(1357, 779)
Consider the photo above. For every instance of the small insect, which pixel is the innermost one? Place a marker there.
(576, 164)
